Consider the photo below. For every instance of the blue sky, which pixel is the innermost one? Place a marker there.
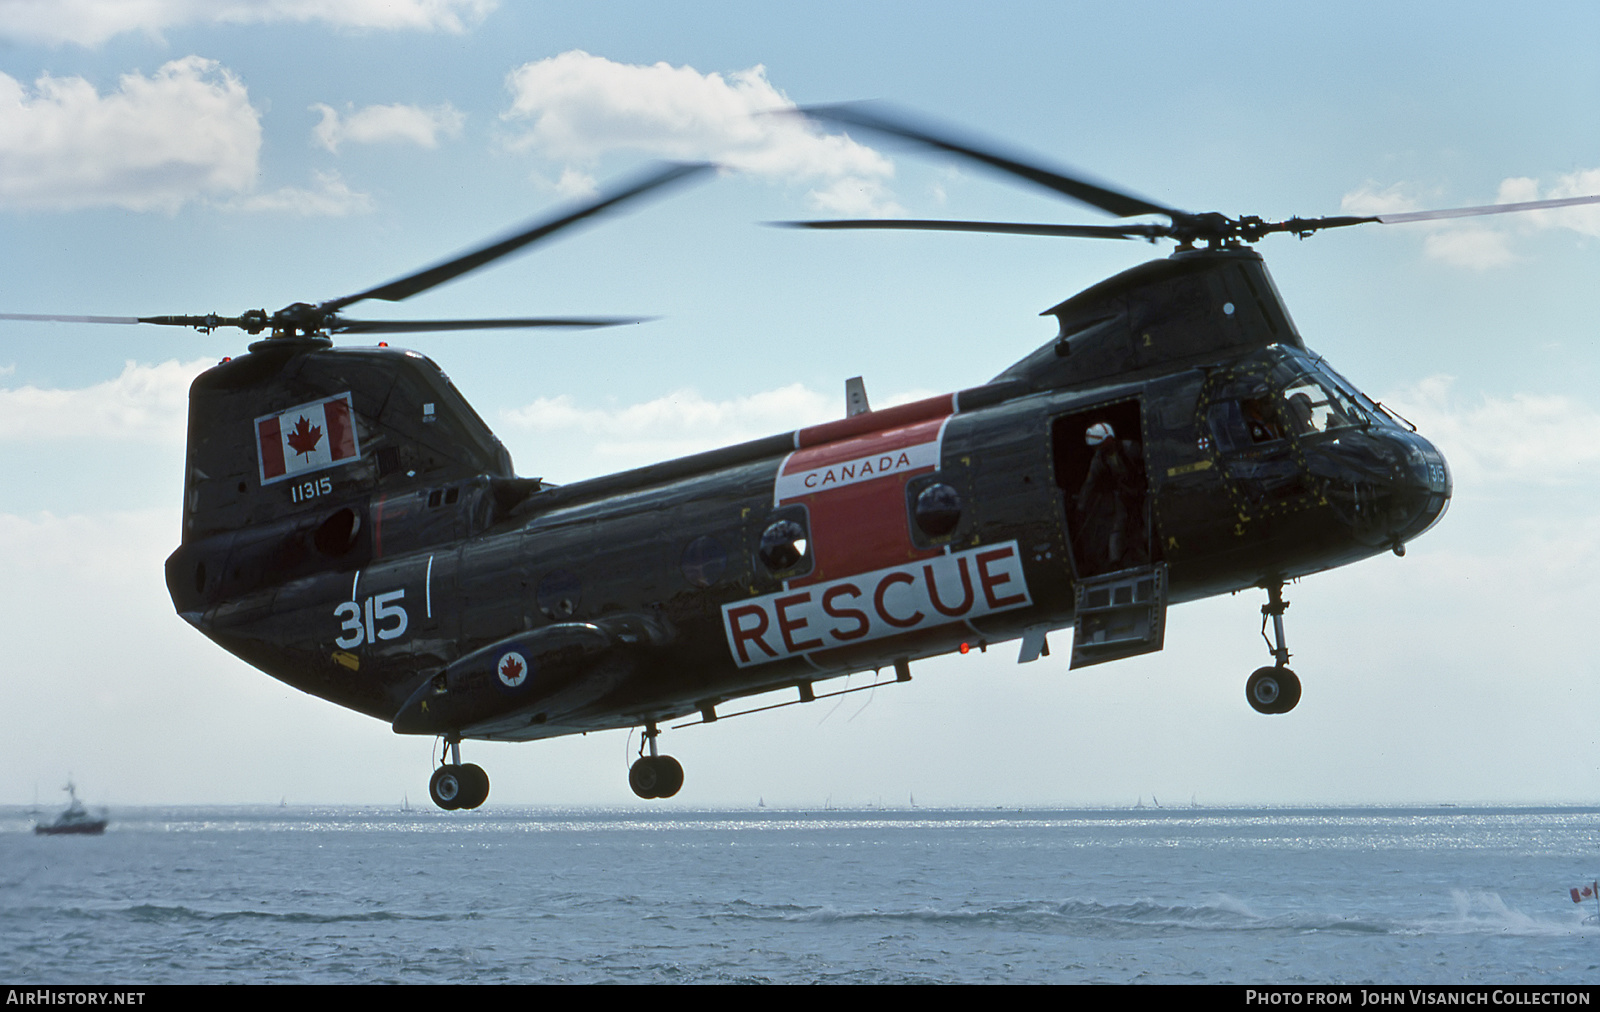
(185, 157)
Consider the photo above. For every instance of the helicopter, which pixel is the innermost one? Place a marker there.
(352, 527)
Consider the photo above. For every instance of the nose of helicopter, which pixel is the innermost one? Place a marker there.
(1388, 485)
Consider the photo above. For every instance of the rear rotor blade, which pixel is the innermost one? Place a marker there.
(342, 326)
(421, 281)
(1116, 202)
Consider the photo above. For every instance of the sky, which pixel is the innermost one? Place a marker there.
(189, 156)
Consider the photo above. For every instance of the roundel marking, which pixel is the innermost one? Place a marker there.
(512, 669)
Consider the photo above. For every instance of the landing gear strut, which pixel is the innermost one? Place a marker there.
(654, 776)
(455, 785)
(1275, 689)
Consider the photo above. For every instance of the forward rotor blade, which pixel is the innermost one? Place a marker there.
(342, 326)
(1468, 212)
(421, 281)
(1000, 227)
(1123, 205)
(44, 318)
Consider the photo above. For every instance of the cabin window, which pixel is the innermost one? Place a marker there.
(337, 534)
(704, 561)
(1244, 423)
(783, 545)
(937, 510)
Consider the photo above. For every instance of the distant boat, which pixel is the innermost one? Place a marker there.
(761, 802)
(76, 820)
(405, 803)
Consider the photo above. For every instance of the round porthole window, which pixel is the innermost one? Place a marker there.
(337, 534)
(704, 561)
(783, 545)
(937, 510)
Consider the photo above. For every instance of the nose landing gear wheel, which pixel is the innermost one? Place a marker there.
(656, 776)
(1272, 690)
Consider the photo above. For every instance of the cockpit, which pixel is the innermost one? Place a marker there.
(1292, 434)
(1299, 397)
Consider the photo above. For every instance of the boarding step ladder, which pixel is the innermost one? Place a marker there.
(1121, 614)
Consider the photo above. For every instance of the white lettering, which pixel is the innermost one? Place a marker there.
(868, 606)
(848, 472)
(367, 624)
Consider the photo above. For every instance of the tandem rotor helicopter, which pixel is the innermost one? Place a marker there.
(353, 528)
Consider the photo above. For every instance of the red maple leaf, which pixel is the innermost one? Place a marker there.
(305, 436)
(510, 669)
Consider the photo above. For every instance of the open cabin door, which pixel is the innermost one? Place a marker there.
(1121, 593)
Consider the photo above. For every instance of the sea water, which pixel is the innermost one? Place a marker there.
(1192, 895)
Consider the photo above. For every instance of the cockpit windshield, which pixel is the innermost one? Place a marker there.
(1311, 406)
(1316, 400)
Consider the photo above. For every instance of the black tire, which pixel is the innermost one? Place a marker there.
(1289, 692)
(643, 777)
(669, 776)
(445, 787)
(474, 786)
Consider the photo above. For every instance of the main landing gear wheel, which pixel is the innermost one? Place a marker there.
(1272, 690)
(656, 776)
(459, 786)
(456, 784)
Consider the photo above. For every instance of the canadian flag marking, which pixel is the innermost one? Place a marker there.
(307, 437)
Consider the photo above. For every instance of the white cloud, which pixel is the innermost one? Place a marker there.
(91, 22)
(1369, 200)
(596, 441)
(378, 124)
(1476, 247)
(1539, 439)
(577, 107)
(554, 437)
(330, 198)
(145, 404)
(157, 142)
(575, 185)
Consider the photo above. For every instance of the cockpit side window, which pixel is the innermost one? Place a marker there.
(1244, 423)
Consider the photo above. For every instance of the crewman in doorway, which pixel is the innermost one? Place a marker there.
(1111, 502)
